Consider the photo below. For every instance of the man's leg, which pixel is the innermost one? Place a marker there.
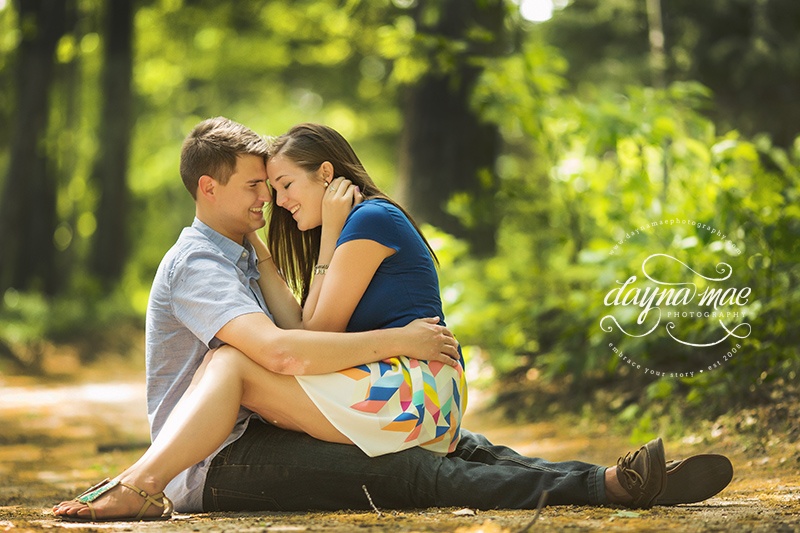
(272, 469)
(564, 481)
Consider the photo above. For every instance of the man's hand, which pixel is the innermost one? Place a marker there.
(429, 341)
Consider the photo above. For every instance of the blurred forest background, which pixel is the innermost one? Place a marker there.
(529, 136)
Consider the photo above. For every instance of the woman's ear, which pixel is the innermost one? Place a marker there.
(326, 171)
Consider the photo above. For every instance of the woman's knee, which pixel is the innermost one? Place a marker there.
(229, 358)
(252, 375)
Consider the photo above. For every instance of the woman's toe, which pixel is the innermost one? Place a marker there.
(70, 508)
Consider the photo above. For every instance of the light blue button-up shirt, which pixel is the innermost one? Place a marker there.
(204, 281)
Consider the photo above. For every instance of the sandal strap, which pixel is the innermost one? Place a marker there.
(159, 500)
(94, 492)
(93, 487)
(91, 510)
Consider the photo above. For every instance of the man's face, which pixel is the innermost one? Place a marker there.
(240, 202)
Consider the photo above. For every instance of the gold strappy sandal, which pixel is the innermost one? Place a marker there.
(92, 493)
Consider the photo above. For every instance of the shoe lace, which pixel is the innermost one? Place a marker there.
(631, 476)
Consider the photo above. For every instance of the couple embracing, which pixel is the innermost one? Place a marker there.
(259, 402)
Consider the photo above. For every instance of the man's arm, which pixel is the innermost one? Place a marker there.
(297, 352)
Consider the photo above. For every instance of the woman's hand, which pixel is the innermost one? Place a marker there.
(256, 240)
(262, 251)
(429, 341)
(337, 202)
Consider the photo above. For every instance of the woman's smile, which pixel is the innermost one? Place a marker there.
(296, 190)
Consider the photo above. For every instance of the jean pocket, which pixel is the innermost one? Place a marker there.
(232, 500)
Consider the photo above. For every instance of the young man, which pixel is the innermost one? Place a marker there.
(211, 453)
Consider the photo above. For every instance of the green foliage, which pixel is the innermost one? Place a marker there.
(87, 320)
(581, 176)
(591, 153)
(745, 51)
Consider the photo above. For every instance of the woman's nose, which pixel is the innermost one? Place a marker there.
(280, 198)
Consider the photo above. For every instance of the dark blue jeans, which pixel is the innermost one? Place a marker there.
(270, 469)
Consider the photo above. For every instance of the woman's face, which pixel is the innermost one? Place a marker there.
(297, 190)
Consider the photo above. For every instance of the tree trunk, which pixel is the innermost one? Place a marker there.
(110, 244)
(446, 150)
(28, 205)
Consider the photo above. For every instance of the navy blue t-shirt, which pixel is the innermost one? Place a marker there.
(406, 285)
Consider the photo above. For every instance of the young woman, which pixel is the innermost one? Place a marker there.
(359, 268)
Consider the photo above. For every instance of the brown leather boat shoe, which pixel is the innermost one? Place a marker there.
(695, 479)
(643, 475)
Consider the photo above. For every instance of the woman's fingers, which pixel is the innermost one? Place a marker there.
(339, 186)
(337, 203)
(342, 189)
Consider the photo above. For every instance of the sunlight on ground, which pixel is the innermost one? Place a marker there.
(65, 395)
(56, 440)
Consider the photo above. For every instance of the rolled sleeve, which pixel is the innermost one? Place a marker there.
(204, 307)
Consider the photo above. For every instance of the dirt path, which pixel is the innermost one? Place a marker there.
(57, 440)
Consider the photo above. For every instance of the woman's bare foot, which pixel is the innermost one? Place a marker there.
(120, 502)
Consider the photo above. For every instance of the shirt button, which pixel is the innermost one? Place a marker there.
(244, 254)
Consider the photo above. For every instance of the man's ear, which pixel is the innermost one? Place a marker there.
(206, 186)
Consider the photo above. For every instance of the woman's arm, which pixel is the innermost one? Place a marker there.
(339, 290)
(279, 298)
(338, 201)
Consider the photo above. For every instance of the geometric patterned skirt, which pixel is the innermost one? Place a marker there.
(394, 404)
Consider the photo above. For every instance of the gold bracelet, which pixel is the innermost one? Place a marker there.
(320, 269)
(262, 260)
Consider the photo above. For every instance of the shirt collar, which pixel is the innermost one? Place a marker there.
(244, 256)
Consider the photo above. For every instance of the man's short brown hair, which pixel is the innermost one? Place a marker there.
(212, 148)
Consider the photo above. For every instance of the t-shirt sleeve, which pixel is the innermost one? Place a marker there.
(207, 293)
(371, 221)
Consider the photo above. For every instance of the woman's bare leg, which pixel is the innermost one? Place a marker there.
(202, 421)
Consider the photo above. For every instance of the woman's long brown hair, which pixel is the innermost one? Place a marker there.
(309, 145)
